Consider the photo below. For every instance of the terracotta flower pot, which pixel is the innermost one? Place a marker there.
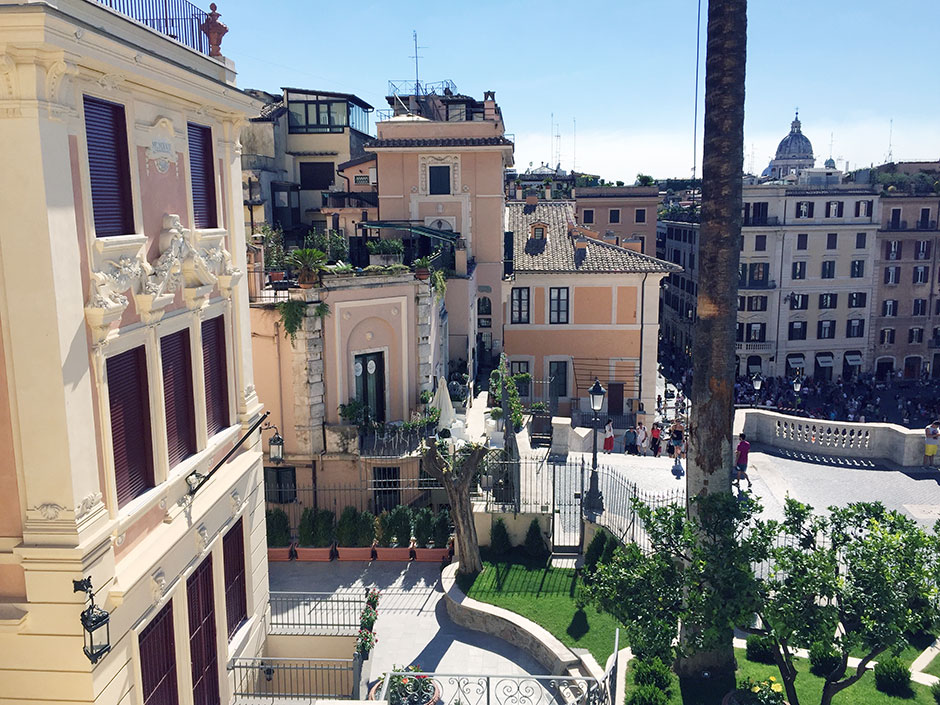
(422, 274)
(431, 555)
(393, 554)
(279, 554)
(305, 553)
(353, 553)
(276, 276)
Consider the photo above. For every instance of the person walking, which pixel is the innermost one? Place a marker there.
(642, 439)
(676, 437)
(655, 438)
(629, 441)
(931, 440)
(609, 436)
(740, 462)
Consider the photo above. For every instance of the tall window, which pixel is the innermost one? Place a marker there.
(834, 209)
(799, 302)
(886, 336)
(855, 328)
(797, 330)
(202, 176)
(558, 305)
(893, 249)
(859, 241)
(922, 250)
(130, 424)
(920, 275)
(613, 216)
(858, 299)
(799, 270)
(233, 558)
(828, 301)
(760, 243)
(915, 335)
(520, 367)
(756, 303)
(756, 332)
(214, 364)
(889, 307)
(280, 484)
(178, 396)
(857, 269)
(801, 239)
(640, 215)
(158, 659)
(519, 303)
(828, 269)
(919, 308)
(202, 644)
(587, 216)
(832, 241)
(758, 272)
(804, 209)
(108, 167)
(439, 180)
(558, 378)
(825, 330)
(892, 275)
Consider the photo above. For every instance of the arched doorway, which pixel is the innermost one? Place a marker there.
(912, 366)
(884, 368)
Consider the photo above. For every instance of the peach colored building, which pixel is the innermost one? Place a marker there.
(127, 400)
(625, 215)
(577, 307)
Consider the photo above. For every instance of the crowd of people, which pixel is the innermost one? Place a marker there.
(659, 438)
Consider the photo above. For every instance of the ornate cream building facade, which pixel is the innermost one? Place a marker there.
(129, 450)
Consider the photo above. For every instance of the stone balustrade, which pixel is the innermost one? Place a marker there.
(871, 441)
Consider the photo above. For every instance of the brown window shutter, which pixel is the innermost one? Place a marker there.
(130, 424)
(233, 555)
(216, 374)
(178, 396)
(202, 645)
(202, 176)
(158, 660)
(108, 167)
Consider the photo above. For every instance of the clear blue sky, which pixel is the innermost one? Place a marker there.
(625, 70)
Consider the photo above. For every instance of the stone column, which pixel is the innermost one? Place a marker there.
(307, 369)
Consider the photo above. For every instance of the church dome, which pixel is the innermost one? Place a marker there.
(795, 145)
(830, 163)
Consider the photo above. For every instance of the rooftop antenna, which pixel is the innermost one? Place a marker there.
(698, 54)
(890, 138)
(574, 149)
(750, 166)
(831, 138)
(416, 56)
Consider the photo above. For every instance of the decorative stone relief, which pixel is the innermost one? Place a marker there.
(193, 260)
(49, 510)
(236, 498)
(120, 539)
(202, 538)
(111, 81)
(157, 584)
(162, 150)
(59, 93)
(9, 86)
(86, 505)
(428, 160)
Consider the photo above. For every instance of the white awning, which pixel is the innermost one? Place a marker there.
(796, 360)
(853, 358)
(824, 359)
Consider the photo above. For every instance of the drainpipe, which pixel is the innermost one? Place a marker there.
(642, 320)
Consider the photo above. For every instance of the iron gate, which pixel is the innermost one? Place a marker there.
(567, 491)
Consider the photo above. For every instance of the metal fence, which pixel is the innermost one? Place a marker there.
(619, 516)
(177, 19)
(316, 612)
(269, 680)
(421, 688)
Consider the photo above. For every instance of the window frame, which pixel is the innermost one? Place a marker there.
(611, 220)
(829, 264)
(587, 216)
(552, 385)
(517, 367)
(142, 478)
(639, 216)
(519, 305)
(202, 179)
(558, 314)
(434, 182)
(178, 379)
(118, 183)
(236, 579)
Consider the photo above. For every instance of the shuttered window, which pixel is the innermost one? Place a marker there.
(158, 660)
(130, 424)
(202, 176)
(178, 396)
(108, 167)
(213, 361)
(202, 645)
(233, 554)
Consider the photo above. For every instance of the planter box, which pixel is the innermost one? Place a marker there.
(350, 553)
(431, 555)
(385, 260)
(314, 554)
(393, 554)
(278, 554)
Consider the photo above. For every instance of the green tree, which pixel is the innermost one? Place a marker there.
(644, 180)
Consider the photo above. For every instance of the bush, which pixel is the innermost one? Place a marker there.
(892, 676)
(365, 533)
(424, 525)
(761, 649)
(595, 549)
(609, 547)
(499, 538)
(440, 530)
(652, 672)
(935, 691)
(823, 659)
(646, 695)
(385, 246)
(278, 528)
(383, 533)
(535, 542)
(347, 528)
(399, 524)
(324, 528)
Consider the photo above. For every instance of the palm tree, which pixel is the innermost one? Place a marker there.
(710, 454)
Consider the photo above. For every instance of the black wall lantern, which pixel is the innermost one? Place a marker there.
(275, 444)
(95, 622)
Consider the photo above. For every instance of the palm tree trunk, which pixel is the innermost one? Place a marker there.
(710, 454)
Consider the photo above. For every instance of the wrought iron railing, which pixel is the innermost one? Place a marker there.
(269, 680)
(177, 19)
(316, 612)
(417, 688)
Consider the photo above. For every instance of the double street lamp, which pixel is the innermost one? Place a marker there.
(594, 501)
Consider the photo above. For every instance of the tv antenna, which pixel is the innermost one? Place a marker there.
(890, 139)
(416, 56)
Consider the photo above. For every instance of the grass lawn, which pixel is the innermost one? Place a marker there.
(933, 668)
(915, 646)
(547, 597)
(808, 688)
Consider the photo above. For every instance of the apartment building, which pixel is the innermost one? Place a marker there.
(626, 215)
(578, 308)
(677, 242)
(129, 449)
(905, 335)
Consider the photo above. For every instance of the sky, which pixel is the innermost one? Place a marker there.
(861, 72)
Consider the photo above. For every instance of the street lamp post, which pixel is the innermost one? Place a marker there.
(594, 502)
(757, 381)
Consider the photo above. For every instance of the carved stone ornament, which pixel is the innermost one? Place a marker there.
(162, 152)
(120, 539)
(429, 160)
(236, 498)
(202, 538)
(193, 260)
(49, 510)
(85, 506)
(59, 91)
(157, 584)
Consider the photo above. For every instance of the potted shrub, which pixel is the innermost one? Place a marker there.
(278, 531)
(385, 251)
(309, 263)
(315, 535)
(273, 243)
(394, 540)
(432, 532)
(355, 533)
(422, 267)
